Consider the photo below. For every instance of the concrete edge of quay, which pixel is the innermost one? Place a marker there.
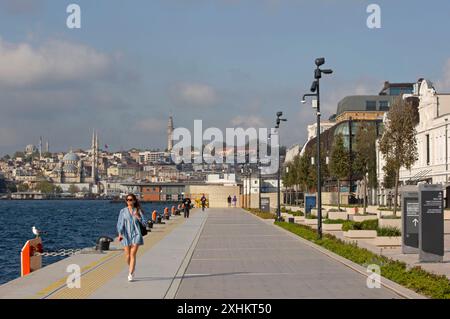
(389, 284)
(176, 281)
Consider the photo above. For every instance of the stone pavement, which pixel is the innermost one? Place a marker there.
(221, 253)
(240, 256)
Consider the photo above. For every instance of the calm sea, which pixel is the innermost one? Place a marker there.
(69, 224)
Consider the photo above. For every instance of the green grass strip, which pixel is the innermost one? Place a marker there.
(416, 279)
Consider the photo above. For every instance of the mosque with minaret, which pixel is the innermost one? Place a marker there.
(72, 170)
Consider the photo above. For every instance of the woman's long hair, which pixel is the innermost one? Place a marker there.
(136, 205)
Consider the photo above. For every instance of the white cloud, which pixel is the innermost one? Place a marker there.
(150, 125)
(54, 61)
(247, 121)
(197, 94)
(443, 84)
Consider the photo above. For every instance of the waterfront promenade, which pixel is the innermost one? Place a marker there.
(220, 253)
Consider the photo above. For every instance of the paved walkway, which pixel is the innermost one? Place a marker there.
(240, 256)
(220, 253)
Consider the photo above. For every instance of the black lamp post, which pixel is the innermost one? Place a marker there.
(278, 121)
(246, 172)
(315, 88)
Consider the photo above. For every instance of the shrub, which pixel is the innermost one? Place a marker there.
(311, 216)
(298, 213)
(390, 217)
(371, 224)
(349, 225)
(334, 221)
(263, 215)
(389, 231)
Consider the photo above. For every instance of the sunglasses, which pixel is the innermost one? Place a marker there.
(130, 199)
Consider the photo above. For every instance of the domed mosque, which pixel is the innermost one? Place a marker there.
(71, 168)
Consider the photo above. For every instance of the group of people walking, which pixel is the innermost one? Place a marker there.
(231, 200)
(130, 222)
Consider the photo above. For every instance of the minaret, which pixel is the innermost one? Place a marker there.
(40, 148)
(170, 134)
(94, 156)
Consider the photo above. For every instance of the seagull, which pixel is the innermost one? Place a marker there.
(37, 232)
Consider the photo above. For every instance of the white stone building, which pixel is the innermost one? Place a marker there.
(432, 138)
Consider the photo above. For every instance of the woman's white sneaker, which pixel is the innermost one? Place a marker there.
(130, 277)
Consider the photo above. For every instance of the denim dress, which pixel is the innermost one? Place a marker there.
(128, 227)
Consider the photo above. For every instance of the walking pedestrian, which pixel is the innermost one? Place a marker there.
(203, 200)
(234, 201)
(187, 206)
(129, 230)
(229, 200)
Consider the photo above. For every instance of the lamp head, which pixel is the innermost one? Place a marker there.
(320, 61)
(279, 114)
(327, 71)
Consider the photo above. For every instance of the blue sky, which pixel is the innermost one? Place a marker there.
(228, 62)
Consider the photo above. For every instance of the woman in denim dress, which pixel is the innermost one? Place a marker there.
(129, 231)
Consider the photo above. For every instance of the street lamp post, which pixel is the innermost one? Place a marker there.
(259, 184)
(246, 172)
(278, 121)
(315, 88)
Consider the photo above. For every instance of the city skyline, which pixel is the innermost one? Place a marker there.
(240, 62)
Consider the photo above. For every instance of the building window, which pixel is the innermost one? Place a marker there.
(384, 105)
(428, 148)
(371, 105)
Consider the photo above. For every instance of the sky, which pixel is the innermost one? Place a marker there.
(230, 63)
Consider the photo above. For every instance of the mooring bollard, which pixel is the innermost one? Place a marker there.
(103, 243)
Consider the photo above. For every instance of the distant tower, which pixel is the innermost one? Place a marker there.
(170, 134)
(40, 147)
(47, 147)
(94, 154)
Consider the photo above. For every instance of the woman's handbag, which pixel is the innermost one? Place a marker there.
(142, 227)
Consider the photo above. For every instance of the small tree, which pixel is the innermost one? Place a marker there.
(339, 163)
(23, 188)
(304, 172)
(398, 143)
(45, 187)
(365, 157)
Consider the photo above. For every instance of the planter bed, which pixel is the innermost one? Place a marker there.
(298, 219)
(314, 211)
(381, 213)
(360, 234)
(383, 241)
(397, 223)
(310, 222)
(361, 218)
(337, 215)
(332, 227)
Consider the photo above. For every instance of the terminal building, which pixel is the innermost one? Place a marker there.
(351, 112)
(432, 138)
